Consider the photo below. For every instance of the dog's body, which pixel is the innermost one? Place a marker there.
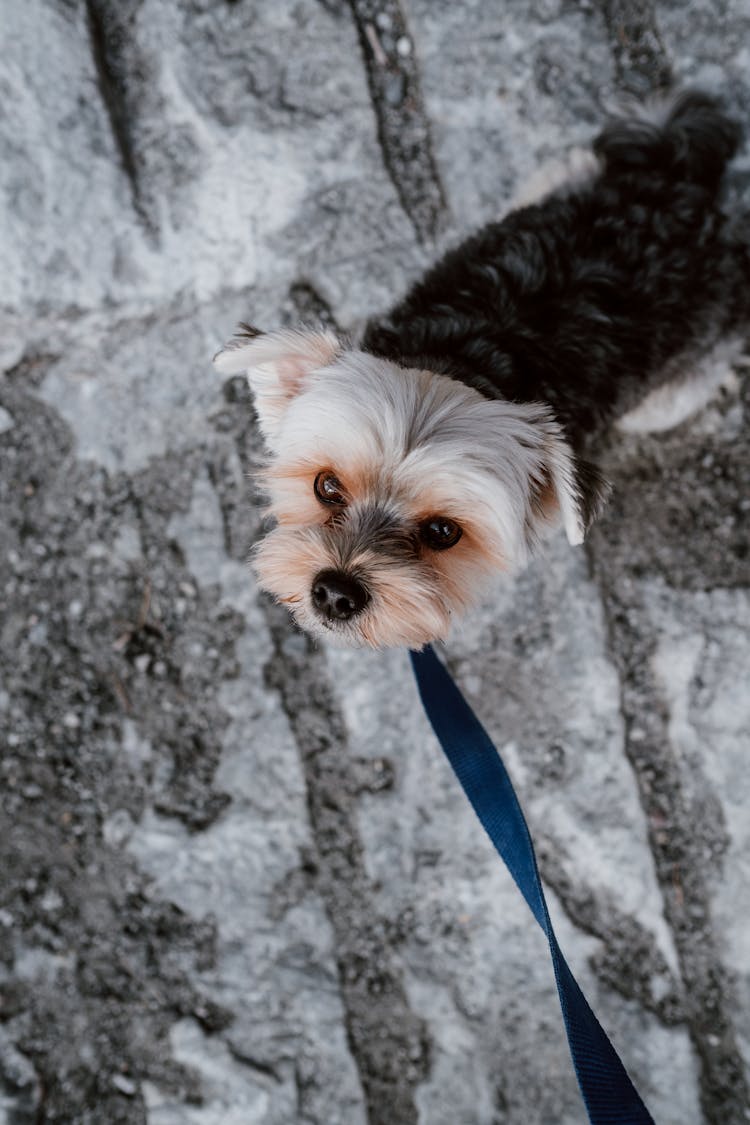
(404, 472)
(585, 300)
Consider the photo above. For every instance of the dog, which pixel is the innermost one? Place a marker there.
(406, 471)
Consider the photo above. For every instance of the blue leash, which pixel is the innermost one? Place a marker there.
(609, 1095)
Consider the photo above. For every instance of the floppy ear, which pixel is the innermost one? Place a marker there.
(276, 365)
(567, 491)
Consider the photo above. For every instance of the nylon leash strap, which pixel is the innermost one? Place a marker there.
(609, 1095)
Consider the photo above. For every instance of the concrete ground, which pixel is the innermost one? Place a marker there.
(238, 883)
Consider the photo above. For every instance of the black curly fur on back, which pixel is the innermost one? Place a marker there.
(585, 300)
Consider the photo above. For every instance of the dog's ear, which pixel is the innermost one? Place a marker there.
(548, 484)
(276, 365)
(568, 491)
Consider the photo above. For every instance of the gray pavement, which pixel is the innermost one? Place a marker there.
(238, 883)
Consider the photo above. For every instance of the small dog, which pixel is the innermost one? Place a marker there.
(406, 471)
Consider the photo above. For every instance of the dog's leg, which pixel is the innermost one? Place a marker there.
(685, 394)
(569, 171)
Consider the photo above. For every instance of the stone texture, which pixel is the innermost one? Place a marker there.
(240, 883)
(499, 92)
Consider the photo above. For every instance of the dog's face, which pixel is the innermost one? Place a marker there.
(396, 493)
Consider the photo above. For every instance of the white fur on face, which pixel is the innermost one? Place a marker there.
(405, 445)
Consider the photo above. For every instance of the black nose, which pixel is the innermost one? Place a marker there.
(338, 597)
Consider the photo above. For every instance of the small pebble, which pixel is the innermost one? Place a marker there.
(118, 828)
(51, 900)
(394, 89)
(125, 1085)
(38, 634)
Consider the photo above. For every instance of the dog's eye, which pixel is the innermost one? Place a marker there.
(440, 533)
(328, 489)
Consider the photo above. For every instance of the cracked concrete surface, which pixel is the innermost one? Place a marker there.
(239, 884)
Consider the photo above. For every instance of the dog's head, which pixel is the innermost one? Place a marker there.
(397, 493)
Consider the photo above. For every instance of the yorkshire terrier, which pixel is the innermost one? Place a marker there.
(442, 449)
